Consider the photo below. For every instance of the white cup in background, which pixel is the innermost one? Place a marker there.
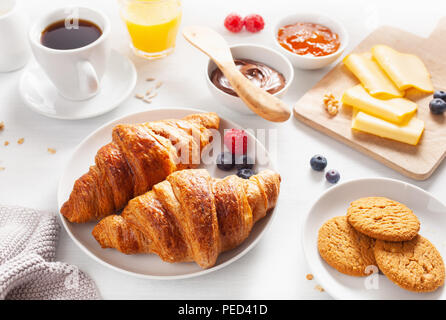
(14, 47)
(76, 73)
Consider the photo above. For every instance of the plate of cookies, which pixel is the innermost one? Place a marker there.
(377, 238)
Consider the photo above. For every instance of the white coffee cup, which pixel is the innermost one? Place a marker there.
(76, 73)
(14, 47)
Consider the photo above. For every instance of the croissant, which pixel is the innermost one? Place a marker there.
(191, 216)
(140, 156)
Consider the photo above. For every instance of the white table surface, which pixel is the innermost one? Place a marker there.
(275, 268)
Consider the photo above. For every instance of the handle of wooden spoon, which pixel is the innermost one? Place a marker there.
(258, 100)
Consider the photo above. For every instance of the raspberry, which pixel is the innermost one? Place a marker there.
(236, 141)
(254, 23)
(234, 22)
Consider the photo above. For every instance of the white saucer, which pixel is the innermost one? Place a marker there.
(335, 201)
(41, 96)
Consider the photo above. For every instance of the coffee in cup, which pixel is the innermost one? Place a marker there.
(58, 36)
(72, 46)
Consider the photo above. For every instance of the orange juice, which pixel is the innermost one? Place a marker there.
(152, 25)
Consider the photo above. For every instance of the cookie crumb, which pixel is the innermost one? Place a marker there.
(331, 104)
(152, 96)
(148, 92)
(2, 126)
(6, 143)
(319, 288)
(150, 79)
(309, 276)
(21, 140)
(51, 150)
(147, 100)
(139, 96)
(158, 84)
(2, 168)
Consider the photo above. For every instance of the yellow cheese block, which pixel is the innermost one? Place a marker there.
(372, 77)
(405, 70)
(409, 132)
(396, 110)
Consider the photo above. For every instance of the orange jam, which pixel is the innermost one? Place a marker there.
(308, 39)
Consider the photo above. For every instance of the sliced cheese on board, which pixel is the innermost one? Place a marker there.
(397, 110)
(409, 132)
(405, 70)
(372, 77)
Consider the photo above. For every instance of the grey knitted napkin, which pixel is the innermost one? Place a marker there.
(28, 240)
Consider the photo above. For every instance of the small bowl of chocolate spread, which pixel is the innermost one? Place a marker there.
(266, 68)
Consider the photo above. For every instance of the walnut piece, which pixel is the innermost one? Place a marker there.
(331, 104)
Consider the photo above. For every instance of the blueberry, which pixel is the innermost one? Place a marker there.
(245, 173)
(318, 162)
(440, 95)
(437, 106)
(332, 176)
(244, 162)
(225, 161)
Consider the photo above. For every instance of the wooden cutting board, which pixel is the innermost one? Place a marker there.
(417, 162)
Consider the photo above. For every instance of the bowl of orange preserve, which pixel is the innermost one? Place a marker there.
(310, 40)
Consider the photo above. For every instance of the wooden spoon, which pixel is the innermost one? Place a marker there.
(258, 100)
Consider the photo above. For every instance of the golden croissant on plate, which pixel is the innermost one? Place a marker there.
(140, 156)
(191, 216)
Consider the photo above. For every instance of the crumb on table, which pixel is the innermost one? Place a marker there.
(319, 288)
(2, 168)
(2, 125)
(51, 150)
(158, 84)
(21, 140)
(309, 276)
(6, 143)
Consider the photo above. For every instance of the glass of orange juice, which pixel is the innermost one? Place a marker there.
(152, 25)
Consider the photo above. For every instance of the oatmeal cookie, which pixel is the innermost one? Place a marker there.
(414, 265)
(344, 248)
(383, 219)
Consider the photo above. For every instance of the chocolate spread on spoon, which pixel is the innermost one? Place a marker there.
(260, 74)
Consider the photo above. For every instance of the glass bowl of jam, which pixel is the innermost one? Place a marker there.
(265, 67)
(310, 40)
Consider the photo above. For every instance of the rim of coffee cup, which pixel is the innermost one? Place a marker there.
(38, 27)
(15, 4)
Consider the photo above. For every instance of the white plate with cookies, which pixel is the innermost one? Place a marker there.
(400, 265)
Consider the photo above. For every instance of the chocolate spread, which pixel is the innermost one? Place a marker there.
(260, 74)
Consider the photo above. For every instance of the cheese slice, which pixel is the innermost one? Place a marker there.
(396, 110)
(409, 132)
(372, 77)
(405, 70)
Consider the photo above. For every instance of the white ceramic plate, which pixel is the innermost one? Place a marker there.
(144, 265)
(41, 96)
(334, 202)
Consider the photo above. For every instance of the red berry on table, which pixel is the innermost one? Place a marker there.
(236, 141)
(234, 22)
(254, 23)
